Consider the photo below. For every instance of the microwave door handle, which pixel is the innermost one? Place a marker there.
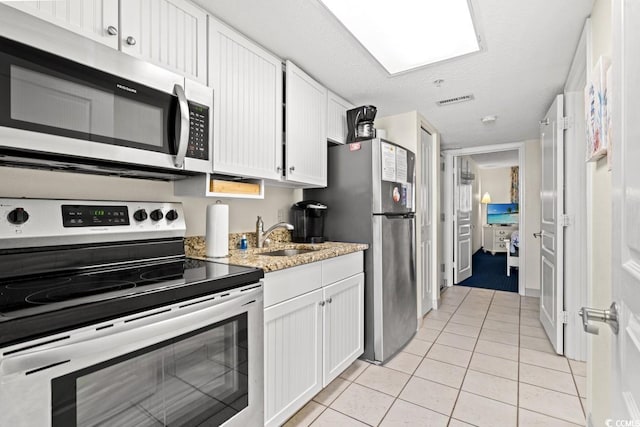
(182, 126)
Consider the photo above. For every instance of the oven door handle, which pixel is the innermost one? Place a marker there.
(126, 337)
(182, 126)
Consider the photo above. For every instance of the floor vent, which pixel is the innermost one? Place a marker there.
(455, 100)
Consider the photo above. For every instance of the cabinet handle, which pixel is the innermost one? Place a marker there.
(330, 300)
(292, 168)
(131, 41)
(321, 303)
(112, 31)
(278, 169)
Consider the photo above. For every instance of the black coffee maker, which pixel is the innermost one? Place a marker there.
(360, 123)
(307, 217)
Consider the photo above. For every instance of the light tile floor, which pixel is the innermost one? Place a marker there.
(482, 359)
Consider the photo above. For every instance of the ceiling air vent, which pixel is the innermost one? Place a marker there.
(456, 100)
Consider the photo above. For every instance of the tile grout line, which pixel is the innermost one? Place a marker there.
(518, 366)
(467, 368)
(472, 351)
(573, 376)
(396, 398)
(519, 335)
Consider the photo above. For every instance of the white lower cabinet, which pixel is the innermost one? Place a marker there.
(313, 330)
(292, 354)
(342, 326)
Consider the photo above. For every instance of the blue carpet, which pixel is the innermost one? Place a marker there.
(490, 272)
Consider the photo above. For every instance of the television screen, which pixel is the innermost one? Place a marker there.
(502, 213)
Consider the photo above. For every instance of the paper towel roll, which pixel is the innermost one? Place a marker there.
(217, 237)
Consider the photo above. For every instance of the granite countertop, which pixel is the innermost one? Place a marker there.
(195, 248)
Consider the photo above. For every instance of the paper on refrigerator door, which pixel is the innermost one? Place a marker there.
(388, 162)
(401, 165)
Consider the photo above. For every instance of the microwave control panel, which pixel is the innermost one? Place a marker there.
(198, 147)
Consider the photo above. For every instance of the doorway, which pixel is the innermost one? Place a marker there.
(473, 237)
(493, 179)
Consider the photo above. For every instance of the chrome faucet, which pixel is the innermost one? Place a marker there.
(261, 235)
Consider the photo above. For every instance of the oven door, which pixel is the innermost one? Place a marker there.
(199, 363)
(49, 104)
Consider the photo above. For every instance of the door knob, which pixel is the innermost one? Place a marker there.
(608, 316)
(538, 234)
(131, 41)
(112, 31)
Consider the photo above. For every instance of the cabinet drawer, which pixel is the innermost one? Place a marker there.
(341, 267)
(289, 283)
(502, 233)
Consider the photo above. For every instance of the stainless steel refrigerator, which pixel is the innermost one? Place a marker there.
(371, 199)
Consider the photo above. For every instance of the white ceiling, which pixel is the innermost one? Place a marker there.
(528, 48)
(499, 159)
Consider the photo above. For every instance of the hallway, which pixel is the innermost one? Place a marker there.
(482, 359)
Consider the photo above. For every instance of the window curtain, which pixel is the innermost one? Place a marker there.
(515, 190)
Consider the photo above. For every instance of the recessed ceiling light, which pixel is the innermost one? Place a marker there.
(489, 119)
(409, 34)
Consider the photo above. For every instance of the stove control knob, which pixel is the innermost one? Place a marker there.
(140, 215)
(156, 215)
(172, 215)
(18, 216)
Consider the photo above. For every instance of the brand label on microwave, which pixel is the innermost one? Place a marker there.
(127, 88)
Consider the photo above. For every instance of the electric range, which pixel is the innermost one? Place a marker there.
(92, 293)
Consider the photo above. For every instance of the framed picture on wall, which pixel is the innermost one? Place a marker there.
(609, 124)
(597, 127)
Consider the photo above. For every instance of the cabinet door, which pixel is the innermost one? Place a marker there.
(247, 82)
(292, 355)
(169, 33)
(89, 18)
(337, 118)
(343, 326)
(306, 128)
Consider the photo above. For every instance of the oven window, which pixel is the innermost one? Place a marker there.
(42, 99)
(195, 379)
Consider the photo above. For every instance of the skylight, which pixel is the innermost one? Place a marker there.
(406, 34)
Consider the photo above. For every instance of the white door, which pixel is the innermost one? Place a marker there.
(426, 221)
(462, 227)
(552, 231)
(626, 208)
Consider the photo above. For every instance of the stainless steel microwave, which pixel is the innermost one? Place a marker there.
(57, 113)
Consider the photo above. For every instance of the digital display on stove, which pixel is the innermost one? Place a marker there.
(91, 216)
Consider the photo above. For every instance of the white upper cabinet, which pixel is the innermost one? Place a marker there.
(95, 19)
(306, 129)
(337, 118)
(247, 83)
(168, 33)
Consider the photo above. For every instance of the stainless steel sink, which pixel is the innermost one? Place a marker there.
(287, 252)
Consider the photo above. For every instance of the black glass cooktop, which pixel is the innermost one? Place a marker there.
(42, 304)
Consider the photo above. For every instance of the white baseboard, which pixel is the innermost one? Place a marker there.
(532, 292)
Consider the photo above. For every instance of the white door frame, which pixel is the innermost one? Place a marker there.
(577, 197)
(425, 205)
(448, 211)
(435, 208)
